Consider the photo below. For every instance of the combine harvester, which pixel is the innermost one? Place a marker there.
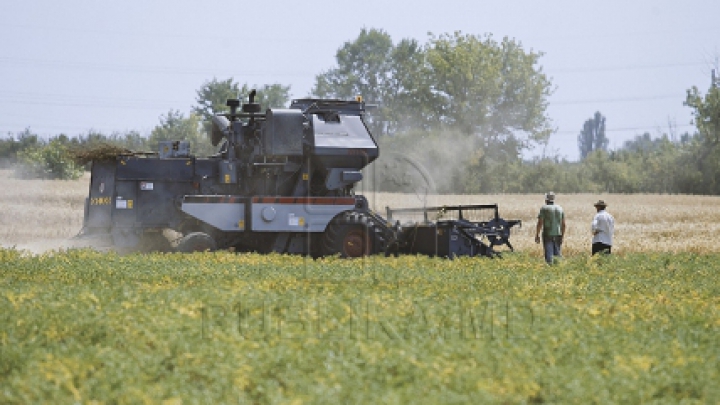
(282, 181)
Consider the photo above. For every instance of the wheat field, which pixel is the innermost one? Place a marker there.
(38, 215)
(643, 222)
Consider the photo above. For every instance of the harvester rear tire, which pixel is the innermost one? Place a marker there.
(351, 234)
(196, 242)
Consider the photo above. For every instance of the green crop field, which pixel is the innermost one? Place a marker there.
(85, 327)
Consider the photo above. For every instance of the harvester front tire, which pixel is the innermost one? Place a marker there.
(196, 242)
(351, 234)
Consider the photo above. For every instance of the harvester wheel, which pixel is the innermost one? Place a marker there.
(351, 234)
(196, 242)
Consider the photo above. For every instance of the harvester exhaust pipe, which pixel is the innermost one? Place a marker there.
(251, 107)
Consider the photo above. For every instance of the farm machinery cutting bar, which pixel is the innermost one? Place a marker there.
(461, 230)
(282, 181)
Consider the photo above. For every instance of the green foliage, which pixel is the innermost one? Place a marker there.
(61, 157)
(174, 126)
(592, 137)
(11, 145)
(459, 164)
(49, 161)
(213, 95)
(492, 94)
(366, 67)
(84, 327)
(268, 95)
(489, 88)
(456, 83)
(409, 101)
(706, 114)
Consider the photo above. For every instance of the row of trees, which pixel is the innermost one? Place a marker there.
(643, 165)
(461, 109)
(685, 163)
(646, 164)
(35, 157)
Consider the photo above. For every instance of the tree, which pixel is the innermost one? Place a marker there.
(213, 95)
(408, 99)
(489, 88)
(50, 160)
(131, 140)
(489, 97)
(495, 94)
(706, 117)
(268, 95)
(13, 144)
(174, 126)
(364, 68)
(592, 137)
(464, 83)
(642, 143)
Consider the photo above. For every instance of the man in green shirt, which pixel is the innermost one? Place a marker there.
(551, 221)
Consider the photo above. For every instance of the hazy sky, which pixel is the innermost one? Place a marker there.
(71, 66)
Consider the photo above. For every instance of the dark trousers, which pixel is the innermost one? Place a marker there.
(601, 248)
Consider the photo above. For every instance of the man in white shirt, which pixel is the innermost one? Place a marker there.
(603, 227)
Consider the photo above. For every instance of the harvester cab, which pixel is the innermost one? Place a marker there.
(283, 180)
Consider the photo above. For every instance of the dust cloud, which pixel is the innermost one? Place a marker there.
(420, 164)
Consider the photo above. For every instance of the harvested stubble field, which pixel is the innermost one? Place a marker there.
(641, 326)
(38, 215)
(643, 223)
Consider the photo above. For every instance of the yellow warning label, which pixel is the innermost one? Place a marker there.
(241, 224)
(100, 201)
(301, 221)
(227, 178)
(306, 176)
(129, 204)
